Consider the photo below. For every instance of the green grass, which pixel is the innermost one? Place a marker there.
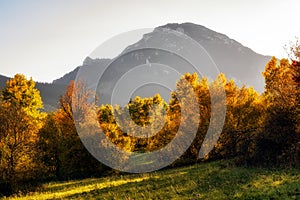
(216, 180)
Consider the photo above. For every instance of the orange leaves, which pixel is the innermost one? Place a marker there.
(20, 119)
(280, 85)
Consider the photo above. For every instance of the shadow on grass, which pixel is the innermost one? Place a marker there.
(209, 181)
(216, 180)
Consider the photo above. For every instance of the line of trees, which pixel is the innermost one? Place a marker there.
(259, 129)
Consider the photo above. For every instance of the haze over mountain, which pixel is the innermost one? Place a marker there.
(232, 58)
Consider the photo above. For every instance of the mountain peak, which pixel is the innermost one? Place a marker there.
(90, 61)
(237, 61)
(87, 61)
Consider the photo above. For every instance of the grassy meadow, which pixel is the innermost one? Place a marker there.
(214, 180)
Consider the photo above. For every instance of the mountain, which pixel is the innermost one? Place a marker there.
(67, 78)
(177, 46)
(3, 80)
(232, 58)
(50, 94)
(88, 62)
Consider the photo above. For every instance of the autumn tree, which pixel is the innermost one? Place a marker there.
(196, 99)
(293, 50)
(141, 116)
(244, 118)
(111, 129)
(279, 141)
(20, 118)
(64, 154)
(50, 147)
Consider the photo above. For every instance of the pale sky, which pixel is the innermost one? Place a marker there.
(46, 39)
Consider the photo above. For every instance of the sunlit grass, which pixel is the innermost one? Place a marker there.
(67, 189)
(216, 180)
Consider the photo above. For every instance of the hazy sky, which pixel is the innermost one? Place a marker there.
(46, 39)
